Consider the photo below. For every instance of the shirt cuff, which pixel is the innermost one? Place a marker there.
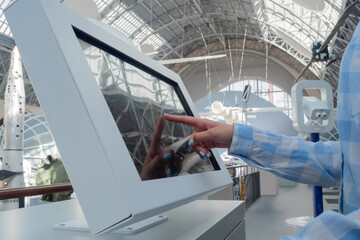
(242, 140)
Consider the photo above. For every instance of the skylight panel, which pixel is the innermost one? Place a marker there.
(302, 25)
(4, 28)
(101, 5)
(128, 23)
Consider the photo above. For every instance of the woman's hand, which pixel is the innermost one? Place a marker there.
(209, 134)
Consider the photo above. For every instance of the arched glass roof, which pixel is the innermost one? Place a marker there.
(176, 28)
(38, 140)
(291, 20)
(180, 28)
(158, 23)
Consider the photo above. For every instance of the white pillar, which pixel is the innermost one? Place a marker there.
(14, 112)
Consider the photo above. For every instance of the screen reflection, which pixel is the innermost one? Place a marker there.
(137, 101)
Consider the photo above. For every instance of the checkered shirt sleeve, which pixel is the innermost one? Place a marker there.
(288, 157)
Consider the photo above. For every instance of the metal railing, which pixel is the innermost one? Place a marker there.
(33, 191)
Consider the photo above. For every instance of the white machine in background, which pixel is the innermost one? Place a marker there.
(319, 119)
(239, 114)
(319, 111)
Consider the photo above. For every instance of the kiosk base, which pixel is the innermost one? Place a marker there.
(81, 225)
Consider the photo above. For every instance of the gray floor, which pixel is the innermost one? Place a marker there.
(265, 219)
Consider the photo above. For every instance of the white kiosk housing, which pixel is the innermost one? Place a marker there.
(96, 156)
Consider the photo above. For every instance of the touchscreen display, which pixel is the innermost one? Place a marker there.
(137, 101)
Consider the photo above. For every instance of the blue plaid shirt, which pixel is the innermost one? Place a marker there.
(322, 163)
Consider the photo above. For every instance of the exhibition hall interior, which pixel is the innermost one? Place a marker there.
(174, 119)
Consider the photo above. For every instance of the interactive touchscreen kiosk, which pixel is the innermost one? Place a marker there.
(103, 100)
